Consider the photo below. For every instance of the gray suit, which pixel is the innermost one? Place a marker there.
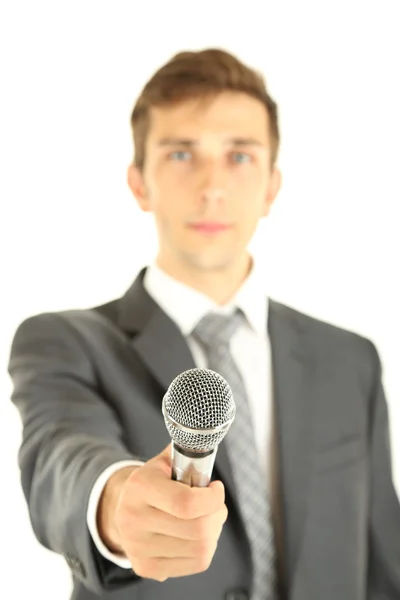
(89, 384)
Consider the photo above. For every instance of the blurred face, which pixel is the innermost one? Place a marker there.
(207, 179)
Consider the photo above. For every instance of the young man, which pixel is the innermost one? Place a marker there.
(307, 510)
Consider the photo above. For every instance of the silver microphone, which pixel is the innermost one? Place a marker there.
(198, 410)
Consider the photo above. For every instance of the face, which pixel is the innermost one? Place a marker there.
(207, 179)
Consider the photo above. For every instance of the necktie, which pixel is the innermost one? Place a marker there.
(214, 333)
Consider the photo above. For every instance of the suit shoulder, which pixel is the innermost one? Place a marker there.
(325, 334)
(72, 320)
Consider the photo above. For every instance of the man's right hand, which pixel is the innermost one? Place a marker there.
(165, 528)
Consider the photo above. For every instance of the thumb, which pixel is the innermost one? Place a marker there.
(164, 459)
(166, 453)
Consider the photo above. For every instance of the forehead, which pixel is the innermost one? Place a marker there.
(227, 114)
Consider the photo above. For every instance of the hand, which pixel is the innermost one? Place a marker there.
(165, 528)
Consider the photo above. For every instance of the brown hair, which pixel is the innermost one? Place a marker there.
(199, 74)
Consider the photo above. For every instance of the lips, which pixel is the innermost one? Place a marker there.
(209, 227)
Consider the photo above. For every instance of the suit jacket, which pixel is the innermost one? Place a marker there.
(89, 385)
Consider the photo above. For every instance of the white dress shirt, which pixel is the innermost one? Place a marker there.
(250, 349)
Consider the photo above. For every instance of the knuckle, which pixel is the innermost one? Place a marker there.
(204, 561)
(202, 529)
(138, 482)
(224, 514)
(138, 566)
(133, 552)
(205, 553)
(184, 505)
(136, 549)
(202, 548)
(145, 568)
(219, 496)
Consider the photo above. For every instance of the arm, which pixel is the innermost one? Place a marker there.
(384, 564)
(70, 436)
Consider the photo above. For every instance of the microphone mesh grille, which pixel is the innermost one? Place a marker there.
(199, 399)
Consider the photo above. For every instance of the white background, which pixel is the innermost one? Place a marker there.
(71, 235)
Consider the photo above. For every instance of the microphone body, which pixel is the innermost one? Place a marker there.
(192, 468)
(198, 410)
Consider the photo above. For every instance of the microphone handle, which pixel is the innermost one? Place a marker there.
(192, 468)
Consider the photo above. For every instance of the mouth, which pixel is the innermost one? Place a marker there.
(209, 227)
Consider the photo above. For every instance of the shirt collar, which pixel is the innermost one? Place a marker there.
(187, 306)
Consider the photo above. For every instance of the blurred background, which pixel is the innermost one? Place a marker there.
(72, 236)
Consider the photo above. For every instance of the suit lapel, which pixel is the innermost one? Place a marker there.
(294, 396)
(157, 340)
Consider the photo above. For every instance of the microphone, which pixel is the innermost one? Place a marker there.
(198, 410)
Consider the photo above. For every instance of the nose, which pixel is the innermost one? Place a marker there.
(213, 188)
(214, 195)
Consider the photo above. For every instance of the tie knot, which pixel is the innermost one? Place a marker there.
(216, 330)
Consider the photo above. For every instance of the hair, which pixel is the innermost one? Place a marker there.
(201, 74)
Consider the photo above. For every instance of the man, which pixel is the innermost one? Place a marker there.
(307, 510)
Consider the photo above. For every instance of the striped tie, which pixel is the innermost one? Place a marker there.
(214, 333)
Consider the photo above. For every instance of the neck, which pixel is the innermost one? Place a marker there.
(220, 284)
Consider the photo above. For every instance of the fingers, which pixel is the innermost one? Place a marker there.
(161, 569)
(163, 546)
(163, 554)
(175, 498)
(154, 521)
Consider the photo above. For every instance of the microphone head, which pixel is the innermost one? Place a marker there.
(198, 409)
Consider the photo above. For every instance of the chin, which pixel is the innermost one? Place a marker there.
(211, 263)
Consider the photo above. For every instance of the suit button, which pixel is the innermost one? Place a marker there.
(237, 595)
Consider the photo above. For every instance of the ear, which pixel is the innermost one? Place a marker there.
(273, 190)
(137, 186)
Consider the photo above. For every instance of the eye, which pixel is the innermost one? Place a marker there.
(241, 157)
(180, 155)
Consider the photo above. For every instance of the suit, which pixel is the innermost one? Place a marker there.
(86, 381)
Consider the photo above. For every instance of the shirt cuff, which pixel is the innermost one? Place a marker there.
(94, 498)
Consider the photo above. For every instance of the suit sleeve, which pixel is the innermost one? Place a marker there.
(91, 516)
(70, 436)
(384, 559)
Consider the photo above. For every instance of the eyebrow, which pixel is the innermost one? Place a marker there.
(188, 142)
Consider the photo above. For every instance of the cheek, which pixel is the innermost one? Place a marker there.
(167, 205)
(168, 189)
(251, 185)
(250, 205)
